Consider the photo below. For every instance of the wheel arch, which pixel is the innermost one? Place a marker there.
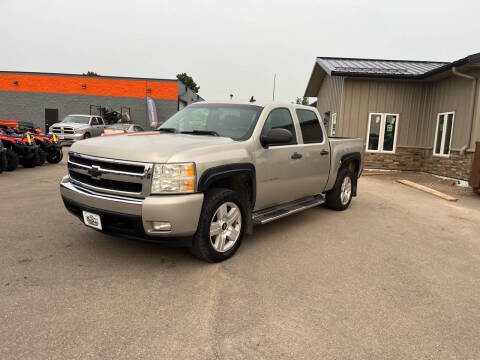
(352, 162)
(232, 176)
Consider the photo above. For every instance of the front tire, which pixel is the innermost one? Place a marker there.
(31, 161)
(56, 157)
(340, 197)
(42, 156)
(86, 136)
(12, 160)
(221, 226)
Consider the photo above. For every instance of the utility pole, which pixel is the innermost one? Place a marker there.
(274, 78)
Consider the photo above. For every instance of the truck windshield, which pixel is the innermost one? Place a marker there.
(235, 121)
(76, 119)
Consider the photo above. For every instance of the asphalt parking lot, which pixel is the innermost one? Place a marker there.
(396, 276)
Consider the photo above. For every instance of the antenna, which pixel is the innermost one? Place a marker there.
(274, 78)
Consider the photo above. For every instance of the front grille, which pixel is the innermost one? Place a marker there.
(107, 184)
(65, 130)
(110, 176)
(137, 169)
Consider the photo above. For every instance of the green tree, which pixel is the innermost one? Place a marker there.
(187, 80)
(302, 101)
(91, 73)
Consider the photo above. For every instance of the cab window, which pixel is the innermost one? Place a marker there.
(94, 121)
(310, 126)
(280, 119)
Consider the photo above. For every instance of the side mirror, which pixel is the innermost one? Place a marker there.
(276, 137)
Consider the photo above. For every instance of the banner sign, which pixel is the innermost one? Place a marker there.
(152, 112)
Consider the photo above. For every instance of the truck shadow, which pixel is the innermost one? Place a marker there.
(120, 250)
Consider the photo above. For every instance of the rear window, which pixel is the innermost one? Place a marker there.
(310, 126)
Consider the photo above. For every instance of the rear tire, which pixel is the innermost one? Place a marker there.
(56, 157)
(221, 226)
(42, 156)
(12, 160)
(31, 161)
(340, 197)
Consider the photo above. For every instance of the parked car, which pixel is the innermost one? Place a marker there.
(210, 173)
(21, 148)
(78, 127)
(117, 129)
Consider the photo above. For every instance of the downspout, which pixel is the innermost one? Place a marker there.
(474, 98)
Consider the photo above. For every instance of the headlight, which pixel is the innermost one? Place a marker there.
(79, 131)
(173, 178)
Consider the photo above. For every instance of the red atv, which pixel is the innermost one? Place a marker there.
(21, 148)
(50, 148)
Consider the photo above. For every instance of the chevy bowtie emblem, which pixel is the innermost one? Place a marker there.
(95, 172)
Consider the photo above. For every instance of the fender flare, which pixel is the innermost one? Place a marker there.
(216, 173)
(352, 156)
(356, 156)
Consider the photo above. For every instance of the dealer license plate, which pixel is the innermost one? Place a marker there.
(92, 220)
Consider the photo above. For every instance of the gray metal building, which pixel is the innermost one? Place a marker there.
(45, 98)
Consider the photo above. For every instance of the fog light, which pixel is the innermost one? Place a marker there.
(161, 226)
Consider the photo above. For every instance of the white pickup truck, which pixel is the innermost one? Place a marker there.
(209, 173)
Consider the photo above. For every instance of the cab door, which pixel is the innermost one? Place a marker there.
(316, 150)
(280, 169)
(95, 127)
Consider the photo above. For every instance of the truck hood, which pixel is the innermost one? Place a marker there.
(72, 125)
(146, 146)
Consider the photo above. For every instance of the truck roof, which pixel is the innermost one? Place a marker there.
(256, 103)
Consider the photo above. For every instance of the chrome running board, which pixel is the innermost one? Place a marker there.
(277, 212)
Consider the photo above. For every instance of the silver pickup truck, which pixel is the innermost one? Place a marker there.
(78, 127)
(209, 173)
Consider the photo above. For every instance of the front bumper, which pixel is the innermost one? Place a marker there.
(69, 138)
(133, 217)
(27, 151)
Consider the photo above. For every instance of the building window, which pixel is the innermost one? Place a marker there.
(333, 129)
(443, 134)
(382, 132)
(310, 126)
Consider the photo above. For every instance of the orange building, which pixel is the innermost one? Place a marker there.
(45, 98)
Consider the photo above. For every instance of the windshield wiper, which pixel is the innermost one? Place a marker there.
(200, 132)
(169, 130)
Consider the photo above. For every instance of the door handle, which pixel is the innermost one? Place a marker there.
(324, 152)
(296, 156)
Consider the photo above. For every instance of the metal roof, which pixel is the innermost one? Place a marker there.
(373, 67)
(379, 68)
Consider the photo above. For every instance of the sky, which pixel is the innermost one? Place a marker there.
(229, 47)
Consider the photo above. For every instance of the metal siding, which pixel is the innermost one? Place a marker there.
(362, 97)
(451, 94)
(28, 106)
(330, 97)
